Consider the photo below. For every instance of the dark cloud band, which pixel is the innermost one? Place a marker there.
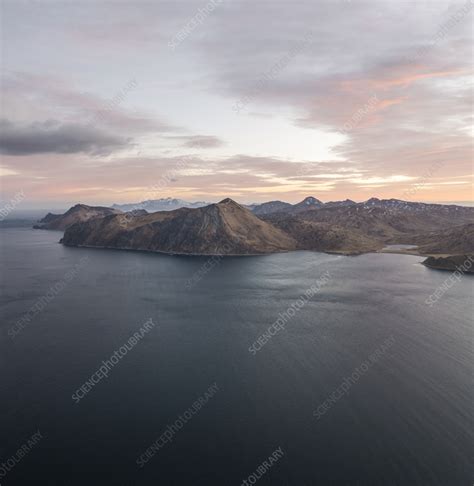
(54, 137)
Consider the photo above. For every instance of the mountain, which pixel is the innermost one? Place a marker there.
(280, 206)
(346, 202)
(395, 205)
(76, 214)
(270, 207)
(362, 227)
(392, 223)
(323, 236)
(384, 206)
(138, 212)
(228, 228)
(308, 203)
(164, 204)
(222, 228)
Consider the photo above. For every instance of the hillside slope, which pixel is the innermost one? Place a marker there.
(76, 214)
(454, 241)
(222, 228)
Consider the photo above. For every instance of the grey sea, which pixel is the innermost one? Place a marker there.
(361, 383)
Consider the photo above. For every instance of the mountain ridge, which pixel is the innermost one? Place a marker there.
(227, 227)
(220, 228)
(77, 213)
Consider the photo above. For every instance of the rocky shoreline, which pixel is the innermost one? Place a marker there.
(452, 263)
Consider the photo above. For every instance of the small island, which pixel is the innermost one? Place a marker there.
(461, 263)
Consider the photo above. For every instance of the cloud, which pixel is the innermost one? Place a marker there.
(54, 137)
(7, 172)
(38, 96)
(358, 49)
(200, 141)
(247, 179)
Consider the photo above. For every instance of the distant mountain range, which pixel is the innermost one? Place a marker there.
(165, 204)
(309, 203)
(342, 227)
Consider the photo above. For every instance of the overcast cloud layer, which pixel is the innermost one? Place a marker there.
(253, 100)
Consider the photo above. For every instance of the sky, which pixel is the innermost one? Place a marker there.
(122, 101)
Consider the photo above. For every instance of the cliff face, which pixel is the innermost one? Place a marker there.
(76, 214)
(223, 228)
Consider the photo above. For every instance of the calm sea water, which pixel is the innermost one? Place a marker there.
(406, 420)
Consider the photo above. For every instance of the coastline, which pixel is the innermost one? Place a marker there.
(169, 253)
(223, 255)
(403, 252)
(233, 255)
(452, 263)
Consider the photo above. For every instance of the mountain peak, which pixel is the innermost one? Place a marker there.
(228, 200)
(217, 229)
(80, 206)
(310, 200)
(75, 214)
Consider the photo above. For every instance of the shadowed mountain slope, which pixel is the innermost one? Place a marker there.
(222, 228)
(76, 214)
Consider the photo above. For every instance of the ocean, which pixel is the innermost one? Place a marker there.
(289, 369)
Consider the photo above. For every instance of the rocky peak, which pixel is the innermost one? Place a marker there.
(229, 203)
(310, 201)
